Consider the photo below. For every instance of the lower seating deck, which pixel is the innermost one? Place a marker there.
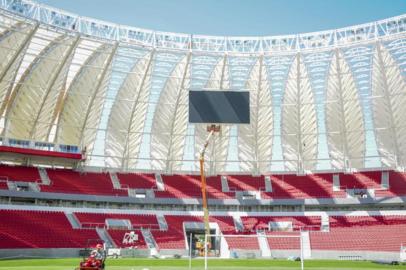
(52, 229)
(41, 229)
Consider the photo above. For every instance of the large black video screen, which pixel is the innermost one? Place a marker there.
(225, 107)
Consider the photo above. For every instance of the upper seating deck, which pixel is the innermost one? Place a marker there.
(19, 173)
(287, 186)
(68, 181)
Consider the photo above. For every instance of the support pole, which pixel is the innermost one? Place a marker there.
(301, 250)
(205, 251)
(203, 187)
(190, 251)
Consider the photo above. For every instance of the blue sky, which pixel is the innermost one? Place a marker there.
(235, 17)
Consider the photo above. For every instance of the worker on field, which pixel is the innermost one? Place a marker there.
(96, 257)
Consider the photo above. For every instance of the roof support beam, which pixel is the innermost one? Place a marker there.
(299, 165)
(24, 45)
(213, 159)
(126, 152)
(343, 128)
(99, 83)
(55, 76)
(169, 163)
(256, 149)
(388, 100)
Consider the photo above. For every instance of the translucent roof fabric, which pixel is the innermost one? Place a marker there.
(332, 100)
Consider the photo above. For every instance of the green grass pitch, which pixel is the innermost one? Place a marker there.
(197, 264)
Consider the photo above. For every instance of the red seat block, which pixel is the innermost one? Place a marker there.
(68, 181)
(137, 180)
(19, 173)
(364, 233)
(40, 229)
(189, 186)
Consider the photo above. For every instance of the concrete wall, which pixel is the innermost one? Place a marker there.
(363, 255)
(245, 254)
(316, 254)
(40, 252)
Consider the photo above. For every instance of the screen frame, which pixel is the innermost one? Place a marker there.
(220, 123)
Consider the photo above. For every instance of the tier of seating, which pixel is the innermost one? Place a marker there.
(99, 219)
(68, 181)
(302, 187)
(361, 180)
(397, 185)
(19, 173)
(137, 180)
(189, 186)
(3, 185)
(52, 229)
(41, 229)
(246, 182)
(371, 233)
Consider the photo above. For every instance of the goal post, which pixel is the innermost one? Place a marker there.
(259, 239)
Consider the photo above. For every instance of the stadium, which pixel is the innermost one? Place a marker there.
(98, 146)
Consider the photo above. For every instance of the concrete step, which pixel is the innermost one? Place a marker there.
(150, 241)
(159, 182)
(163, 225)
(224, 184)
(264, 245)
(268, 184)
(44, 176)
(105, 236)
(74, 222)
(307, 250)
(114, 180)
(385, 180)
(238, 223)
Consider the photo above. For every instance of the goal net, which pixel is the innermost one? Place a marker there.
(290, 245)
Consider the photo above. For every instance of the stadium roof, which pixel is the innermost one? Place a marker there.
(328, 100)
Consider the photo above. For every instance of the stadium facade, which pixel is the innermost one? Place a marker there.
(330, 100)
(95, 141)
